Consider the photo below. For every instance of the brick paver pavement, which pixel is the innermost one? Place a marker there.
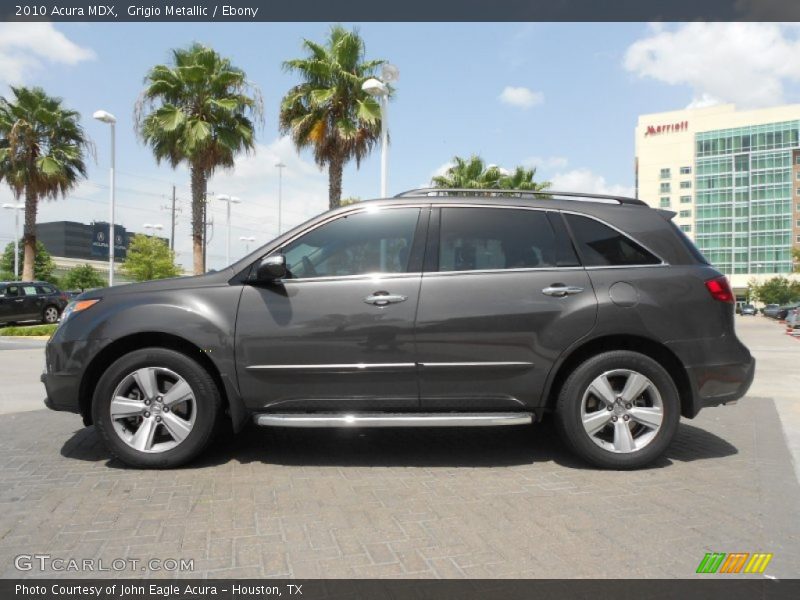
(505, 502)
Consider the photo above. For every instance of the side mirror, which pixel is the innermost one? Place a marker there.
(271, 268)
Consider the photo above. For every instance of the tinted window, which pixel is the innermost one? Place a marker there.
(601, 245)
(30, 290)
(361, 243)
(44, 289)
(495, 238)
(12, 291)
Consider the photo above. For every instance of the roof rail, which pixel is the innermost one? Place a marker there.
(579, 196)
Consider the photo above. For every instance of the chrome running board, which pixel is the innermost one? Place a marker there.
(393, 419)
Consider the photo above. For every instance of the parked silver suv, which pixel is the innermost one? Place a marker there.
(435, 308)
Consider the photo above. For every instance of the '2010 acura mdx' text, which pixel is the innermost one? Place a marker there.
(434, 308)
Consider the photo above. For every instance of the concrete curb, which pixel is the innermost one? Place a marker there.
(25, 337)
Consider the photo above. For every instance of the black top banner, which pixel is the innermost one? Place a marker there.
(400, 10)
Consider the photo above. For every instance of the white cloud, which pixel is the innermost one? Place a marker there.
(745, 63)
(545, 162)
(255, 181)
(29, 47)
(705, 100)
(142, 198)
(520, 97)
(584, 180)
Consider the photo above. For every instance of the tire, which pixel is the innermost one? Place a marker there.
(50, 314)
(172, 428)
(591, 417)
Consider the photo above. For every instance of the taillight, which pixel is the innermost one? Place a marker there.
(720, 289)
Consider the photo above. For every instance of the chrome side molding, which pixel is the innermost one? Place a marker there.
(393, 419)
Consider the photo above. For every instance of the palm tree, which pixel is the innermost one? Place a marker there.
(474, 174)
(471, 173)
(42, 148)
(328, 111)
(199, 110)
(522, 179)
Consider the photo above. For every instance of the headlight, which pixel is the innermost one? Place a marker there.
(76, 307)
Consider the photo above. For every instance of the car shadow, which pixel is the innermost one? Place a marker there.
(412, 447)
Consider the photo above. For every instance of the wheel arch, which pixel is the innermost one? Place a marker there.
(231, 402)
(655, 350)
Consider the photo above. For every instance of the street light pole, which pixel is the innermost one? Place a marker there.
(111, 120)
(280, 167)
(228, 200)
(247, 239)
(16, 208)
(379, 89)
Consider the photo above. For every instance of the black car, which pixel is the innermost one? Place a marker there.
(30, 301)
(435, 308)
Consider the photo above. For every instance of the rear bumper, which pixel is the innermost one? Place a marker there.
(720, 371)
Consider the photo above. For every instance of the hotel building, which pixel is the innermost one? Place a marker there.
(733, 179)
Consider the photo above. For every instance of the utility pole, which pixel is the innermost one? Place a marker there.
(173, 218)
(205, 229)
(172, 228)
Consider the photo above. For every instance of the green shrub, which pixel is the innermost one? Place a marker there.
(29, 330)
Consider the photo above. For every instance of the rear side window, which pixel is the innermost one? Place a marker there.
(30, 290)
(602, 246)
(44, 289)
(474, 239)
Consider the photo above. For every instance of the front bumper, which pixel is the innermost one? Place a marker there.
(65, 366)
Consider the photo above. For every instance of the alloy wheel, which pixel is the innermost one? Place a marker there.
(622, 411)
(50, 314)
(153, 409)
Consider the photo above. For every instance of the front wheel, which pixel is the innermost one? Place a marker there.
(618, 410)
(156, 408)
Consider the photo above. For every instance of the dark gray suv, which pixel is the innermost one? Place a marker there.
(432, 309)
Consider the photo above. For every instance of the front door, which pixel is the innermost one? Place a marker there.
(338, 332)
(502, 296)
(14, 305)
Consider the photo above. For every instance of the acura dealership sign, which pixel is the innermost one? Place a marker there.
(667, 128)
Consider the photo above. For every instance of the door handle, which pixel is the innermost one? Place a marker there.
(19, 300)
(559, 290)
(384, 298)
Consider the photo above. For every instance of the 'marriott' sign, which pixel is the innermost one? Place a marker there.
(668, 128)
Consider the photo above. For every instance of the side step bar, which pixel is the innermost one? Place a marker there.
(393, 419)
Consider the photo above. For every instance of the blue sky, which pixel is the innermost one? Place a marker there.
(576, 92)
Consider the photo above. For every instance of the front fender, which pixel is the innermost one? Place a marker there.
(202, 319)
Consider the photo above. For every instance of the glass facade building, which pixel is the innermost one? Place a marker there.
(743, 197)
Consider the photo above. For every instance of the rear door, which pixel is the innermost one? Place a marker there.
(503, 294)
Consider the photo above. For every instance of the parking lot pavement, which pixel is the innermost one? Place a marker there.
(21, 364)
(394, 503)
(777, 373)
(506, 502)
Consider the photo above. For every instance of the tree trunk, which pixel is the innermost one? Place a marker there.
(199, 183)
(29, 235)
(335, 167)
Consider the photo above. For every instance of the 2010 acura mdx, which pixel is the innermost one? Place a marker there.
(434, 308)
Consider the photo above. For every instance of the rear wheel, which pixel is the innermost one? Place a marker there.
(618, 410)
(50, 315)
(156, 408)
